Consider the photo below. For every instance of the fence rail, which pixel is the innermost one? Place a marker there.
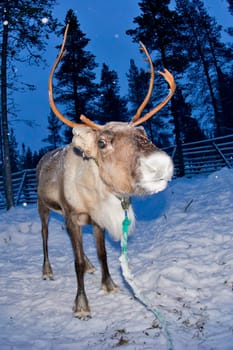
(23, 187)
(203, 157)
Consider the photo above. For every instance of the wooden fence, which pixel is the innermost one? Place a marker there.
(191, 159)
(23, 187)
(202, 157)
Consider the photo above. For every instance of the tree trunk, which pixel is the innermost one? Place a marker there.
(205, 64)
(179, 151)
(217, 113)
(5, 131)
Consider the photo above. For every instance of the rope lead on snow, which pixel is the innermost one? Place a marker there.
(130, 279)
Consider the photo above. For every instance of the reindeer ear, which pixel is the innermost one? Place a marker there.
(84, 139)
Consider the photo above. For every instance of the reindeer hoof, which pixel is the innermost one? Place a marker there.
(109, 286)
(90, 268)
(82, 315)
(48, 276)
(47, 272)
(81, 308)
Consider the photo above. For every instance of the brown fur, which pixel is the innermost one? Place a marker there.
(83, 182)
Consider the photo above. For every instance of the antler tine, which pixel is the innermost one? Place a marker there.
(148, 96)
(88, 122)
(170, 79)
(50, 88)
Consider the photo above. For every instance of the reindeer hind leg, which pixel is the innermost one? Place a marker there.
(89, 267)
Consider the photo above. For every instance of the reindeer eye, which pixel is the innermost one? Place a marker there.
(101, 143)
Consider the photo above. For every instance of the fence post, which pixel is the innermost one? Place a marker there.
(20, 187)
(221, 155)
(180, 159)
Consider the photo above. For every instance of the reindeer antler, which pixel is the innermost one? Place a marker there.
(68, 122)
(152, 78)
(136, 120)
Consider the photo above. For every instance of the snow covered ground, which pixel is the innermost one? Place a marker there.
(181, 255)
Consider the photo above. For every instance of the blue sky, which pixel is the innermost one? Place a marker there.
(104, 23)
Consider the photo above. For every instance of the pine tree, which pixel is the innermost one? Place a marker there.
(37, 155)
(26, 158)
(160, 29)
(226, 93)
(138, 83)
(29, 159)
(189, 128)
(23, 39)
(111, 107)
(14, 155)
(187, 41)
(54, 138)
(76, 88)
(137, 86)
(206, 51)
(230, 6)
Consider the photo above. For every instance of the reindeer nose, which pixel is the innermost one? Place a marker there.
(156, 170)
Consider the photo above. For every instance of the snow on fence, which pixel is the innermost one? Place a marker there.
(195, 158)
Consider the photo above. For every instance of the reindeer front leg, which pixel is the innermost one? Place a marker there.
(44, 216)
(107, 283)
(81, 308)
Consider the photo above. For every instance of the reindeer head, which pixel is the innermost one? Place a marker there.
(128, 162)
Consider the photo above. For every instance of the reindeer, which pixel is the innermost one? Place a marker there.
(91, 180)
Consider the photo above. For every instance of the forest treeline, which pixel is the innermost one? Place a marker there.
(180, 35)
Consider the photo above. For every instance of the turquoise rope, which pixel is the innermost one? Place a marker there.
(125, 230)
(129, 278)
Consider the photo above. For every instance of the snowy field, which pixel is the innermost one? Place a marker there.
(181, 255)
